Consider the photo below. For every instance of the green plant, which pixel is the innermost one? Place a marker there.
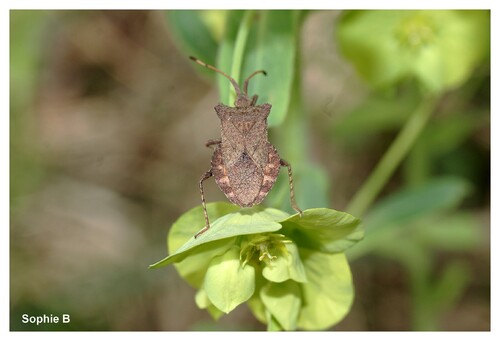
(291, 270)
(409, 53)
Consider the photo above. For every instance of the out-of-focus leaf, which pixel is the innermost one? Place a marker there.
(215, 21)
(328, 294)
(190, 31)
(376, 114)
(225, 57)
(447, 133)
(451, 285)
(439, 48)
(434, 196)
(453, 232)
(26, 33)
(310, 186)
(271, 46)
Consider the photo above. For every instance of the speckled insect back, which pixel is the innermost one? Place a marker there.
(245, 164)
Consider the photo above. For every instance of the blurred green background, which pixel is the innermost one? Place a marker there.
(107, 129)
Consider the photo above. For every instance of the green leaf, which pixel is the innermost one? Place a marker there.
(228, 284)
(194, 265)
(375, 115)
(310, 185)
(270, 33)
(28, 29)
(276, 35)
(225, 56)
(323, 229)
(397, 213)
(436, 195)
(286, 266)
(329, 292)
(183, 230)
(446, 134)
(283, 301)
(453, 232)
(245, 221)
(189, 223)
(439, 48)
(452, 284)
(190, 31)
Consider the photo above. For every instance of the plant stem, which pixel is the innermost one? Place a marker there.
(239, 49)
(392, 158)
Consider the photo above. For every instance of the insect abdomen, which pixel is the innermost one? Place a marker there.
(246, 183)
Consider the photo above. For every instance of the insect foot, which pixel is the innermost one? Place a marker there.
(244, 163)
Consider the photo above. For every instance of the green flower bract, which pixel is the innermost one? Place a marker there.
(291, 270)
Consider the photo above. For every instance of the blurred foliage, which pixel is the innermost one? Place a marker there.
(25, 30)
(244, 48)
(440, 50)
(100, 163)
(420, 44)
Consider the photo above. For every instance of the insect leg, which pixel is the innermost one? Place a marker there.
(213, 142)
(283, 163)
(207, 223)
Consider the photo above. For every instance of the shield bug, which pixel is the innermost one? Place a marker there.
(245, 164)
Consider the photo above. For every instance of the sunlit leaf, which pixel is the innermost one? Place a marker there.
(245, 221)
(323, 229)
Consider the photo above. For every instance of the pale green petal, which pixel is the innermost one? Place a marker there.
(228, 284)
(203, 302)
(283, 301)
(287, 265)
(329, 292)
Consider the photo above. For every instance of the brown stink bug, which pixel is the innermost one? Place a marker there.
(245, 164)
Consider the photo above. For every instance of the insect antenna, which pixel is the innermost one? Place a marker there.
(231, 79)
(245, 85)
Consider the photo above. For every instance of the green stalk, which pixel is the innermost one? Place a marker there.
(392, 158)
(239, 49)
